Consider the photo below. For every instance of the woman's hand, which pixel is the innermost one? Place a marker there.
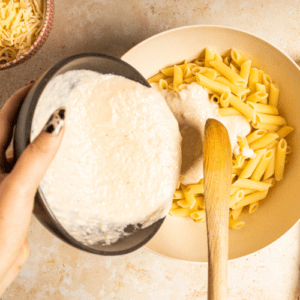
(19, 183)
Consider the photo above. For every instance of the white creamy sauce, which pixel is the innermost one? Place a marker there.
(191, 107)
(120, 158)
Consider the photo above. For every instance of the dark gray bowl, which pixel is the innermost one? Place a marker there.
(88, 61)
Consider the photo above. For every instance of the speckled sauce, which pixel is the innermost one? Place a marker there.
(192, 107)
(119, 160)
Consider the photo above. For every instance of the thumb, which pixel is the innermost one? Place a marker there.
(35, 160)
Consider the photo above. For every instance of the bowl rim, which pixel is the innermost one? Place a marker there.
(235, 30)
(48, 23)
(207, 26)
(21, 142)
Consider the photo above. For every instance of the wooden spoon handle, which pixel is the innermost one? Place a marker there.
(217, 181)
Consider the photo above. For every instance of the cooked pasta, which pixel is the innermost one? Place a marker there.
(237, 57)
(263, 108)
(227, 72)
(280, 159)
(239, 89)
(257, 97)
(229, 111)
(253, 79)
(211, 84)
(209, 56)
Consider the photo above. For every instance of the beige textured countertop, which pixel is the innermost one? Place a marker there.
(55, 270)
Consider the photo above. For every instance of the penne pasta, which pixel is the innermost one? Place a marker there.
(178, 78)
(252, 164)
(272, 181)
(156, 78)
(190, 80)
(200, 202)
(235, 69)
(209, 56)
(263, 108)
(243, 108)
(229, 111)
(255, 135)
(208, 72)
(284, 131)
(169, 71)
(218, 57)
(187, 72)
(163, 84)
(199, 61)
(245, 71)
(253, 80)
(195, 189)
(236, 197)
(257, 196)
(260, 88)
(269, 127)
(253, 207)
(260, 76)
(267, 82)
(234, 189)
(270, 170)
(248, 191)
(236, 171)
(237, 57)
(238, 90)
(174, 205)
(211, 84)
(228, 73)
(201, 220)
(190, 198)
(271, 145)
(235, 213)
(262, 166)
(257, 97)
(198, 214)
(235, 224)
(224, 99)
(274, 94)
(263, 141)
(270, 119)
(215, 98)
(280, 159)
(251, 184)
(183, 203)
(227, 60)
(178, 195)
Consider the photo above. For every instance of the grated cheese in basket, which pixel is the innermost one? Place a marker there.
(20, 24)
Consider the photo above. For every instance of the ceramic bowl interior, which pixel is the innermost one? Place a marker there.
(36, 46)
(183, 239)
(103, 64)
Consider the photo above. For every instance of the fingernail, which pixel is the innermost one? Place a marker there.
(56, 121)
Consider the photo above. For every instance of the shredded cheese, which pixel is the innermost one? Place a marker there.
(20, 24)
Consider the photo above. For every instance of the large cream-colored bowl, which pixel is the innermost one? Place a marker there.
(181, 238)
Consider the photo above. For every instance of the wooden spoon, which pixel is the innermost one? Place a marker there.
(217, 181)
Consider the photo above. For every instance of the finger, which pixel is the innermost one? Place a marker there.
(37, 157)
(8, 118)
(15, 268)
(18, 189)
